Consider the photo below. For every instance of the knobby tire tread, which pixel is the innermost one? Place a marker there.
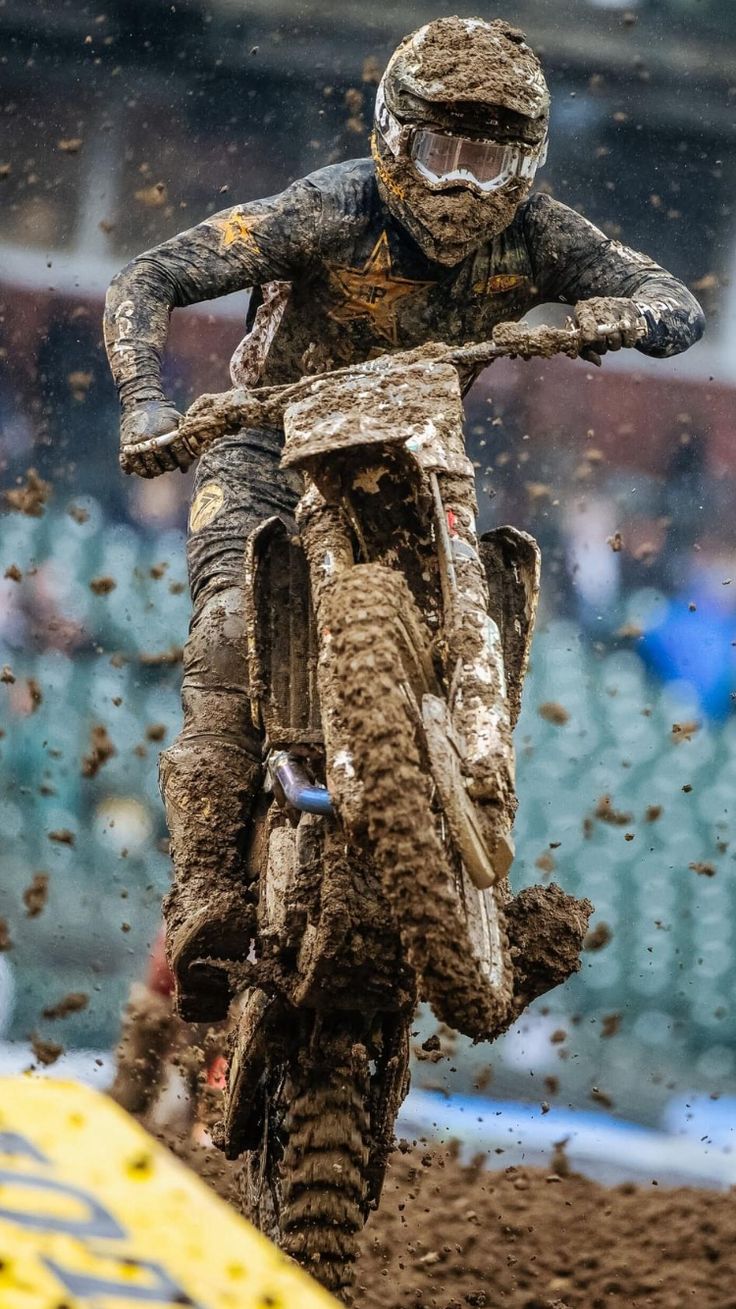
(367, 612)
(324, 1171)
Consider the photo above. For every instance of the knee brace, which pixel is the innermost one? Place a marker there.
(215, 685)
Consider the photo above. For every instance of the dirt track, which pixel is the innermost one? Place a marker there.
(447, 1237)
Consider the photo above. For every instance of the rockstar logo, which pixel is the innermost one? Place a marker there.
(237, 228)
(372, 291)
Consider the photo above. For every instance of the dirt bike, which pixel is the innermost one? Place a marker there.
(387, 647)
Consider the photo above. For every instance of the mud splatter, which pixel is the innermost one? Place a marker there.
(62, 836)
(101, 749)
(552, 712)
(46, 1052)
(36, 895)
(29, 498)
(73, 1003)
(102, 585)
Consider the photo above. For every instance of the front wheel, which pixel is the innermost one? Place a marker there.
(453, 932)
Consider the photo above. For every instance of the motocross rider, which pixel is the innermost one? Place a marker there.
(438, 236)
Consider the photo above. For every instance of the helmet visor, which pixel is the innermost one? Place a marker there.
(445, 160)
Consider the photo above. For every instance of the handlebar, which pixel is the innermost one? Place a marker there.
(213, 415)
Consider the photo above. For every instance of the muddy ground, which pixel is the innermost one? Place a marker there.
(448, 1236)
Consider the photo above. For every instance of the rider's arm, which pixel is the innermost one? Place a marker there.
(247, 245)
(572, 260)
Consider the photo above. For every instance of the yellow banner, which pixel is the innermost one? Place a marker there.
(94, 1214)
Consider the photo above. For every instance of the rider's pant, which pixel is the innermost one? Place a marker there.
(212, 770)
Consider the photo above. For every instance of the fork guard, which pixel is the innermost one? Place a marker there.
(251, 1041)
(486, 853)
(512, 562)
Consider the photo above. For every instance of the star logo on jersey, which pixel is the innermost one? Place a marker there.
(236, 228)
(372, 292)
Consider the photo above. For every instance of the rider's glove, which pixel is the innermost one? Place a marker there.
(607, 323)
(140, 422)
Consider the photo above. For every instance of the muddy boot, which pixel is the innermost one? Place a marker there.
(148, 1032)
(208, 788)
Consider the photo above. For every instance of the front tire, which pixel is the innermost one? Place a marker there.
(453, 932)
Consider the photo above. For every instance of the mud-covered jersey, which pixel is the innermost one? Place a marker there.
(359, 285)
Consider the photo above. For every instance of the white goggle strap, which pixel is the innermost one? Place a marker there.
(389, 127)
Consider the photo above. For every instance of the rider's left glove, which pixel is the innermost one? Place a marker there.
(607, 323)
(141, 422)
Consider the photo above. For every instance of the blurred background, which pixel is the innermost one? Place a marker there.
(124, 121)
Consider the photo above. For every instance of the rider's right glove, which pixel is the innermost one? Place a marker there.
(607, 323)
(142, 421)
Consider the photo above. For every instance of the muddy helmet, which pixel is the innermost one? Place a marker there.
(460, 128)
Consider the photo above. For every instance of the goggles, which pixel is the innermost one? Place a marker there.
(442, 159)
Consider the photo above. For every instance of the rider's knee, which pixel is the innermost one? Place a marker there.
(215, 656)
(208, 777)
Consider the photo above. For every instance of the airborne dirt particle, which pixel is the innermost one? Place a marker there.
(36, 894)
(371, 72)
(605, 813)
(685, 731)
(7, 675)
(703, 868)
(29, 498)
(101, 749)
(601, 1097)
(13, 573)
(72, 1003)
(102, 585)
(552, 712)
(5, 941)
(79, 514)
(546, 863)
(35, 694)
(152, 197)
(79, 384)
(62, 836)
(598, 938)
(46, 1052)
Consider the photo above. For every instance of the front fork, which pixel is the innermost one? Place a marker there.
(328, 545)
(474, 660)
